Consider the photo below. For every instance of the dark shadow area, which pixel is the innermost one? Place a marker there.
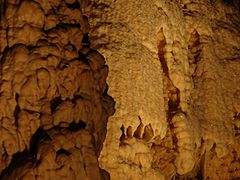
(74, 5)
(173, 106)
(26, 157)
(82, 58)
(77, 126)
(19, 159)
(16, 110)
(63, 151)
(68, 25)
(85, 41)
(39, 135)
(54, 103)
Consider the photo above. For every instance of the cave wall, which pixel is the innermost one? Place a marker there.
(174, 74)
(54, 104)
(171, 73)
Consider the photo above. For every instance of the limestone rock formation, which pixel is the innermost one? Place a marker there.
(172, 73)
(54, 104)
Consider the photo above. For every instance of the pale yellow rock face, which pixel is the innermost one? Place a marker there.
(174, 74)
(171, 68)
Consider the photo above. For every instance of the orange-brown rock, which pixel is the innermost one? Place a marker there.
(54, 104)
(172, 73)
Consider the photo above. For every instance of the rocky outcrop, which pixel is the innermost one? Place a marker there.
(173, 73)
(54, 104)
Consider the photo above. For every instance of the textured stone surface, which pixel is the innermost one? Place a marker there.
(174, 73)
(54, 104)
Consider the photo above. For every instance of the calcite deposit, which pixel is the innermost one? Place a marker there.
(54, 104)
(120, 89)
(174, 74)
